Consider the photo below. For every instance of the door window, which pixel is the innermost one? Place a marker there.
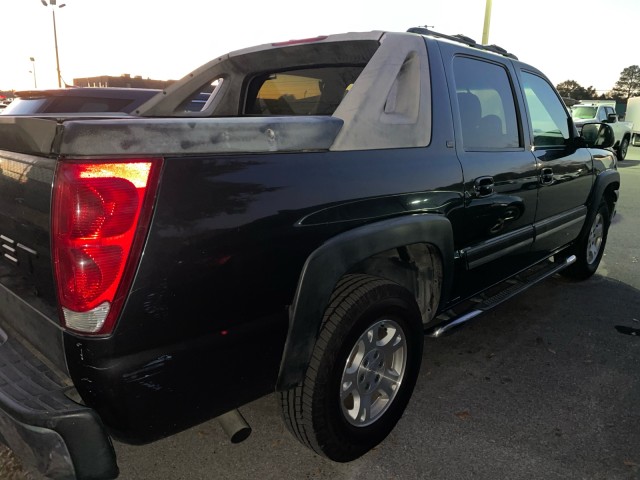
(548, 117)
(608, 111)
(486, 105)
(602, 114)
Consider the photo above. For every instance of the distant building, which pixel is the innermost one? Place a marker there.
(125, 80)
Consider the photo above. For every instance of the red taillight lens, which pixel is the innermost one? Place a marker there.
(109, 207)
(101, 212)
(87, 272)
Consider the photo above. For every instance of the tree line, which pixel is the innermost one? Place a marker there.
(628, 85)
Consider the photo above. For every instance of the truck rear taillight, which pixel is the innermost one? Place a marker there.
(101, 214)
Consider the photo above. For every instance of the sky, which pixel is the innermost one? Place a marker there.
(589, 41)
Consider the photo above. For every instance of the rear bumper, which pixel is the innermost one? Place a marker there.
(47, 430)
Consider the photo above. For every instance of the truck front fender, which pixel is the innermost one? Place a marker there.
(607, 181)
(333, 259)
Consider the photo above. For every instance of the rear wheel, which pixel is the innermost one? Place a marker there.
(364, 367)
(590, 248)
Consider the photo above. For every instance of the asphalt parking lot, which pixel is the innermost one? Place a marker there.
(545, 386)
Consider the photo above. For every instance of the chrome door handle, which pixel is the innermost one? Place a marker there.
(546, 176)
(483, 186)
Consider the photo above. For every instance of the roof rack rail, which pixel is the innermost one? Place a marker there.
(463, 39)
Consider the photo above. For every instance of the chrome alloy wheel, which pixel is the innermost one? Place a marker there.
(596, 235)
(373, 373)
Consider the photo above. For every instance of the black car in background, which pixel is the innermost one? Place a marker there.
(78, 100)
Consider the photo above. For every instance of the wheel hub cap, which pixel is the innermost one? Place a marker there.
(373, 373)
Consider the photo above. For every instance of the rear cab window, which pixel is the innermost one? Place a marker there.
(310, 91)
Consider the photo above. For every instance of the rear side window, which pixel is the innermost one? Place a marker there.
(202, 98)
(549, 119)
(311, 91)
(486, 105)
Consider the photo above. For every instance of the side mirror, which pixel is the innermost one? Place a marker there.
(598, 135)
(612, 118)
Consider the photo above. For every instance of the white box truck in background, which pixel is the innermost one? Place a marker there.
(633, 116)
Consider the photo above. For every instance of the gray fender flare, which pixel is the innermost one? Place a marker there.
(329, 262)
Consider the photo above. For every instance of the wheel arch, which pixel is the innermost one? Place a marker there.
(417, 267)
(606, 187)
(351, 252)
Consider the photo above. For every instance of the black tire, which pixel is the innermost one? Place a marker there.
(622, 149)
(323, 412)
(590, 247)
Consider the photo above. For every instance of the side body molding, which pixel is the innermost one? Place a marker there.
(329, 262)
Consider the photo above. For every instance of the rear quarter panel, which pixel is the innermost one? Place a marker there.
(205, 323)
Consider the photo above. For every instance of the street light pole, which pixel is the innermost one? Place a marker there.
(52, 3)
(55, 41)
(487, 23)
(33, 67)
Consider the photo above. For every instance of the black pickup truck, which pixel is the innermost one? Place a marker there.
(332, 201)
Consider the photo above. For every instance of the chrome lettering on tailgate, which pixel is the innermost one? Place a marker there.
(10, 247)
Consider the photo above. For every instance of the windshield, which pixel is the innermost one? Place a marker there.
(583, 113)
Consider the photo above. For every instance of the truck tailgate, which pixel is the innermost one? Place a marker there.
(27, 292)
(60, 437)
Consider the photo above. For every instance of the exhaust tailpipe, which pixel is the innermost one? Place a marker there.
(234, 425)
